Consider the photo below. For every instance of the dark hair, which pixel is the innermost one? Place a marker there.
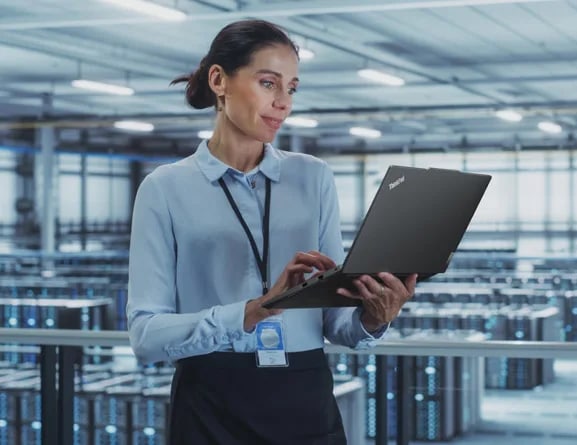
(232, 49)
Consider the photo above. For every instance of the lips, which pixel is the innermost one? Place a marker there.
(273, 123)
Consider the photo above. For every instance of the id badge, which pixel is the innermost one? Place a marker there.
(270, 347)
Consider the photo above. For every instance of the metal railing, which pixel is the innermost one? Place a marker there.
(61, 346)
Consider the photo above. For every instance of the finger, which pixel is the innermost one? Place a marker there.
(299, 268)
(392, 282)
(327, 261)
(411, 283)
(315, 259)
(364, 292)
(272, 312)
(347, 293)
(373, 286)
(309, 260)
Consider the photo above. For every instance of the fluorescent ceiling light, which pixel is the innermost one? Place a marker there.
(204, 134)
(145, 127)
(102, 87)
(381, 77)
(295, 121)
(550, 127)
(365, 132)
(509, 115)
(306, 54)
(149, 8)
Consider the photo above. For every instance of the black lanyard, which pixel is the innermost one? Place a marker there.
(262, 263)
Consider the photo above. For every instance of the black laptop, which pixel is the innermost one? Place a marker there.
(414, 225)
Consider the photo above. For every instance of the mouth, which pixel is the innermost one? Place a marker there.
(273, 123)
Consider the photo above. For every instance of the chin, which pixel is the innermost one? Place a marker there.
(265, 138)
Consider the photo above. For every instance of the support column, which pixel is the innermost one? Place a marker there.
(363, 178)
(83, 199)
(136, 169)
(571, 195)
(47, 225)
(548, 227)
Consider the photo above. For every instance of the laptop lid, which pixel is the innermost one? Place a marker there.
(415, 222)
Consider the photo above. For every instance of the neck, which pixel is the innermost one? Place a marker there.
(238, 154)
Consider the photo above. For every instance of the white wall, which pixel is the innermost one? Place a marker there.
(107, 189)
(7, 187)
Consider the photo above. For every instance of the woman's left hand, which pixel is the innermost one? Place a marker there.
(382, 301)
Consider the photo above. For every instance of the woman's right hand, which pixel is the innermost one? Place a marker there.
(292, 275)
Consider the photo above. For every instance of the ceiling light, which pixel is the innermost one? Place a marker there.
(149, 8)
(509, 115)
(102, 87)
(550, 127)
(365, 132)
(204, 134)
(306, 54)
(381, 77)
(145, 127)
(295, 121)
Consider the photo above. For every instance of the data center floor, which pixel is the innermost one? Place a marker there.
(544, 416)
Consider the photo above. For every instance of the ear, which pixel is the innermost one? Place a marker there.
(217, 80)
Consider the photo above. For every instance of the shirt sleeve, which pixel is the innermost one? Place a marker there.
(340, 325)
(157, 331)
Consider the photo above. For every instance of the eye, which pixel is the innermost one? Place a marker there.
(268, 84)
(292, 91)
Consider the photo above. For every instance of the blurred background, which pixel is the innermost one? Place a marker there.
(487, 86)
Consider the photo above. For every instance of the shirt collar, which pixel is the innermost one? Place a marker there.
(213, 168)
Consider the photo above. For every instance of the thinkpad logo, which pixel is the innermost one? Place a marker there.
(396, 183)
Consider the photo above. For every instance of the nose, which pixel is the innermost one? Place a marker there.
(282, 100)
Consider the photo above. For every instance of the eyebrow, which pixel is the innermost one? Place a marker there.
(274, 73)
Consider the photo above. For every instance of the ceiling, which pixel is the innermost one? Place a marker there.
(461, 60)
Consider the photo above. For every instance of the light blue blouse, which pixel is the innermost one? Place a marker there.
(192, 270)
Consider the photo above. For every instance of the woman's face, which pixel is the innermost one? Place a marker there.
(258, 97)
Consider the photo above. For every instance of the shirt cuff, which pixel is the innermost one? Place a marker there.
(231, 320)
(368, 339)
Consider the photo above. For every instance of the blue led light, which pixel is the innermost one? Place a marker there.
(148, 431)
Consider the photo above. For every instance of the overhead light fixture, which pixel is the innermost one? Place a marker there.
(381, 77)
(369, 133)
(306, 54)
(149, 8)
(102, 87)
(509, 115)
(205, 134)
(145, 127)
(550, 127)
(296, 121)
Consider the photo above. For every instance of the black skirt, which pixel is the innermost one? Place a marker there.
(225, 399)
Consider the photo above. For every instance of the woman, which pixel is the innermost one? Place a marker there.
(210, 232)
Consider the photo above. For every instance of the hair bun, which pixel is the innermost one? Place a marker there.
(198, 93)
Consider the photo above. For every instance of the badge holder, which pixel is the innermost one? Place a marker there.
(270, 348)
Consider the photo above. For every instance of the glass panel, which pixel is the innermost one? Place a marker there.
(531, 204)
(69, 162)
(348, 194)
(486, 162)
(69, 198)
